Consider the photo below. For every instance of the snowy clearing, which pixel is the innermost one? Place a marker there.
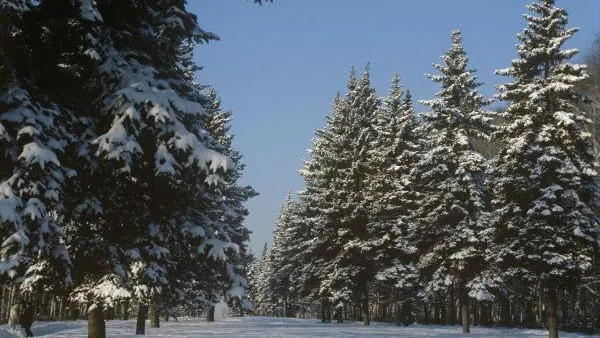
(266, 327)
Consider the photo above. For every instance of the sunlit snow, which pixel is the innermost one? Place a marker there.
(266, 327)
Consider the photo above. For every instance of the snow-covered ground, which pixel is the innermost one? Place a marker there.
(266, 327)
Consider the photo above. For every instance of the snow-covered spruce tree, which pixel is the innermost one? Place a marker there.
(395, 151)
(298, 257)
(37, 137)
(147, 145)
(281, 257)
(252, 275)
(449, 177)
(544, 179)
(229, 215)
(318, 174)
(336, 179)
(263, 301)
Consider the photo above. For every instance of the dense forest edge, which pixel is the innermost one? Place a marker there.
(461, 214)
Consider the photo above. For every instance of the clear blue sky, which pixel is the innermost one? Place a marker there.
(278, 67)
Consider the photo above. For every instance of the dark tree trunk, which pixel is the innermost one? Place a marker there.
(551, 303)
(530, 317)
(407, 312)
(378, 308)
(398, 313)
(323, 309)
(426, 320)
(140, 327)
(126, 311)
(96, 326)
(540, 319)
(443, 311)
(451, 317)
(564, 302)
(485, 315)
(210, 314)
(475, 309)
(505, 317)
(153, 314)
(464, 309)
(289, 309)
(436, 314)
(339, 316)
(364, 309)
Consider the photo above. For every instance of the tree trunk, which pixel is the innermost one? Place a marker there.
(436, 314)
(4, 304)
(443, 311)
(464, 309)
(126, 310)
(323, 309)
(564, 313)
(140, 327)
(210, 314)
(426, 320)
(364, 308)
(540, 308)
(451, 317)
(398, 313)
(96, 326)
(552, 313)
(378, 307)
(407, 311)
(529, 315)
(289, 313)
(484, 314)
(153, 314)
(505, 317)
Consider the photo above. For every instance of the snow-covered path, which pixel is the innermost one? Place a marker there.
(265, 327)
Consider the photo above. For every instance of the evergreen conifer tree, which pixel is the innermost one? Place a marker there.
(337, 179)
(263, 302)
(450, 180)
(37, 138)
(280, 257)
(544, 181)
(394, 153)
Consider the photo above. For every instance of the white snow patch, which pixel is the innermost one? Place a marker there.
(33, 153)
(266, 327)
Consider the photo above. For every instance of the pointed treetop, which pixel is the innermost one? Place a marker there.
(456, 37)
(408, 97)
(394, 99)
(396, 87)
(351, 78)
(366, 72)
(265, 249)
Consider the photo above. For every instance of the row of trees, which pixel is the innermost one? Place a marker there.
(406, 210)
(118, 180)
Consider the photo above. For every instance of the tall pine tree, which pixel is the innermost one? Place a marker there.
(450, 180)
(544, 182)
(337, 180)
(394, 152)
